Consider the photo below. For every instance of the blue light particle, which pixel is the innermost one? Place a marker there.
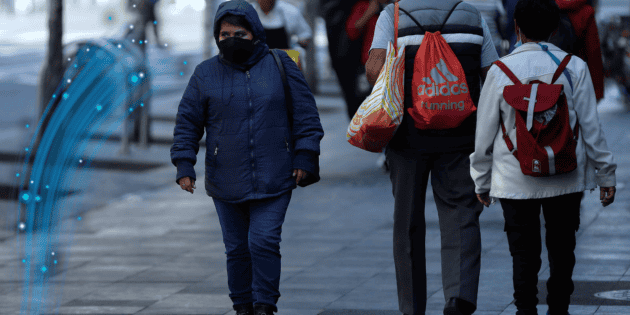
(27, 125)
(154, 22)
(79, 218)
(110, 18)
(17, 174)
(99, 107)
(44, 269)
(140, 42)
(25, 197)
(185, 62)
(75, 65)
(38, 198)
(24, 260)
(47, 187)
(26, 149)
(55, 262)
(54, 95)
(65, 95)
(134, 78)
(131, 110)
(181, 73)
(141, 104)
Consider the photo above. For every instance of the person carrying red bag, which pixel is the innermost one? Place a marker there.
(582, 16)
(414, 154)
(362, 22)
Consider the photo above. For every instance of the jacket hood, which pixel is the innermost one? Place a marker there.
(570, 5)
(246, 10)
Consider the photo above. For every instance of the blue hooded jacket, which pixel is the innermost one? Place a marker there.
(251, 153)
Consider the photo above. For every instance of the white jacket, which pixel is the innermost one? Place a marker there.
(495, 169)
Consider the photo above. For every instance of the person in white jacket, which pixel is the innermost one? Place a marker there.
(497, 173)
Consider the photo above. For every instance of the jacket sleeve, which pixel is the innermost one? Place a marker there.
(488, 115)
(189, 127)
(590, 130)
(307, 129)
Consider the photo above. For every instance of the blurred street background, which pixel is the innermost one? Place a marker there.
(129, 241)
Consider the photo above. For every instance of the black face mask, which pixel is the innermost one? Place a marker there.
(235, 49)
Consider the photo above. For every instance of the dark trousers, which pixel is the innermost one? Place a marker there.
(251, 234)
(522, 225)
(458, 210)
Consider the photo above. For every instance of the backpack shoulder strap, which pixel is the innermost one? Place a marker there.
(561, 68)
(287, 95)
(449, 15)
(507, 72)
(566, 73)
(412, 18)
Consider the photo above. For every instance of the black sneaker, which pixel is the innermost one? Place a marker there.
(457, 306)
(244, 309)
(263, 309)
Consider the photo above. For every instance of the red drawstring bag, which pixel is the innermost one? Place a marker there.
(546, 143)
(441, 98)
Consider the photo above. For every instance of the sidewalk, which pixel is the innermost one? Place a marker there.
(160, 251)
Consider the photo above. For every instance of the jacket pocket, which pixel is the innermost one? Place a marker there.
(213, 157)
(287, 144)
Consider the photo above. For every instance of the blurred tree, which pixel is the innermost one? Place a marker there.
(311, 61)
(54, 65)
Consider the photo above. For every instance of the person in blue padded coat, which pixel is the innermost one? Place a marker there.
(253, 158)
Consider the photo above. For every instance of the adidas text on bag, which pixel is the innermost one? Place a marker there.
(546, 143)
(441, 98)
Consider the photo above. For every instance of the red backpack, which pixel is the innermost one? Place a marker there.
(546, 143)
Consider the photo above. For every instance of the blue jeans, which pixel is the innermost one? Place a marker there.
(251, 234)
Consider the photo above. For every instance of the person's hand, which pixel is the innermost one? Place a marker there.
(484, 199)
(372, 9)
(607, 195)
(304, 43)
(187, 184)
(299, 175)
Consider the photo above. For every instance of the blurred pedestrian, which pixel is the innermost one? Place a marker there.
(281, 21)
(498, 174)
(257, 152)
(361, 23)
(360, 26)
(146, 15)
(344, 52)
(587, 44)
(414, 154)
(509, 6)
(496, 17)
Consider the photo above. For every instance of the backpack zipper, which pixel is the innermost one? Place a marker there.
(287, 143)
(216, 150)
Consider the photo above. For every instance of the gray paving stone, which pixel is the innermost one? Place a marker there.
(362, 298)
(107, 273)
(134, 291)
(191, 304)
(99, 309)
(116, 303)
(158, 274)
(206, 288)
(359, 312)
(609, 309)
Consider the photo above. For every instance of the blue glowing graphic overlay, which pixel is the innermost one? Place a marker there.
(104, 77)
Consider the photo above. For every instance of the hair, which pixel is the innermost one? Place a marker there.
(236, 20)
(537, 19)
